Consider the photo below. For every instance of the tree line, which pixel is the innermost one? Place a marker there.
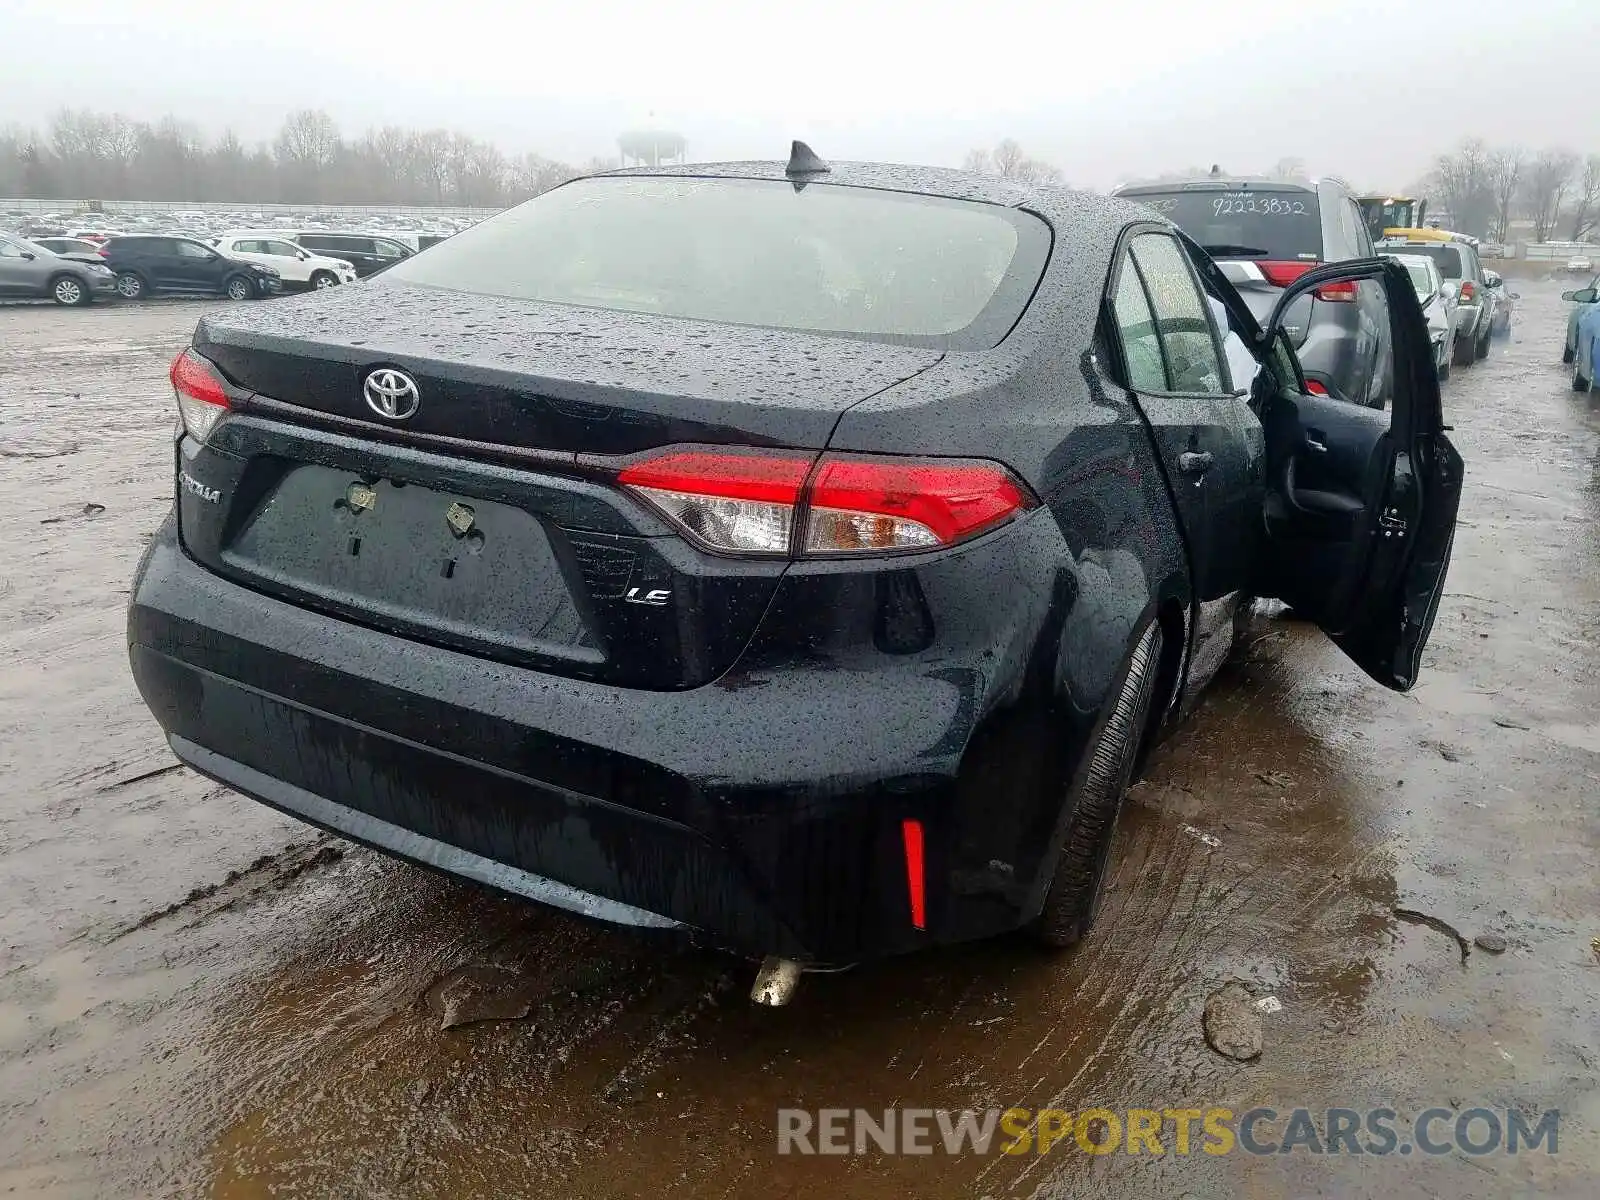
(83, 155)
(1485, 188)
(1009, 162)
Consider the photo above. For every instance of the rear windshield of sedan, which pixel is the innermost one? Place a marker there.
(1420, 279)
(1283, 225)
(824, 258)
(1446, 257)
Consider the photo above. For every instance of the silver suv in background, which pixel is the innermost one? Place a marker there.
(29, 270)
(1266, 233)
(1458, 262)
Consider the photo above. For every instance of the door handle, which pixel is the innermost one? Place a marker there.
(1195, 462)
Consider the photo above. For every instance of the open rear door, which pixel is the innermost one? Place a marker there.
(1361, 503)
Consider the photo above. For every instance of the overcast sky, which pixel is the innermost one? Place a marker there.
(1106, 89)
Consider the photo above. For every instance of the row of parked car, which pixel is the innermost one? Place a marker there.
(1266, 233)
(241, 264)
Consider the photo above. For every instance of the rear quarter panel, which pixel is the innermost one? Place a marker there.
(1040, 404)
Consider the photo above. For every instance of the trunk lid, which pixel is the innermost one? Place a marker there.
(485, 522)
(540, 376)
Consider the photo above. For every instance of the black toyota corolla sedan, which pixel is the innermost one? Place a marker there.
(801, 557)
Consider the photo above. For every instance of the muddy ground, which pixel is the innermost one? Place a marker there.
(201, 997)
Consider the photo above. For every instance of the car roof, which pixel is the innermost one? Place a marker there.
(1219, 182)
(285, 234)
(1062, 206)
(1401, 256)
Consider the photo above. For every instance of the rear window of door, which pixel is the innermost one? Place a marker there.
(1183, 321)
(315, 241)
(388, 249)
(192, 250)
(1141, 348)
(1261, 223)
(282, 248)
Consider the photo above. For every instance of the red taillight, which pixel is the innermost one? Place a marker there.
(746, 501)
(200, 394)
(1282, 274)
(1468, 291)
(737, 501)
(103, 252)
(1315, 388)
(863, 503)
(916, 886)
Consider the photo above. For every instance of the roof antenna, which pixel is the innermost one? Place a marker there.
(803, 160)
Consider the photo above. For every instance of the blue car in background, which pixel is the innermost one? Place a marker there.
(1585, 299)
(1586, 347)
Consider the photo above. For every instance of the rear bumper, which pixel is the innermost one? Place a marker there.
(764, 811)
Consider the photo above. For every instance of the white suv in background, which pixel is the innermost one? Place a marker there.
(298, 266)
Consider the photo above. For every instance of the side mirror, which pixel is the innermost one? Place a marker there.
(1451, 291)
(1583, 296)
(1569, 297)
(29, 255)
(301, 255)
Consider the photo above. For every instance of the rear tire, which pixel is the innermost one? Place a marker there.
(238, 287)
(1579, 383)
(1480, 349)
(69, 292)
(1462, 353)
(131, 285)
(1567, 355)
(1074, 896)
(323, 280)
(1444, 370)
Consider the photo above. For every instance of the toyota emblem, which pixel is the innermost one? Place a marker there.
(391, 394)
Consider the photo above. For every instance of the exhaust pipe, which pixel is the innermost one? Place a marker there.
(776, 982)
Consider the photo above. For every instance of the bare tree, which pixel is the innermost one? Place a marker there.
(308, 138)
(1008, 158)
(1464, 181)
(1586, 199)
(306, 147)
(1548, 178)
(1505, 183)
(1009, 161)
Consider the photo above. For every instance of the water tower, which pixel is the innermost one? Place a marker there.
(651, 143)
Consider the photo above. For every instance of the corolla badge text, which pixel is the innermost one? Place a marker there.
(195, 488)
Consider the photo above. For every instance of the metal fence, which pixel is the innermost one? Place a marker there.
(299, 212)
(1558, 251)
